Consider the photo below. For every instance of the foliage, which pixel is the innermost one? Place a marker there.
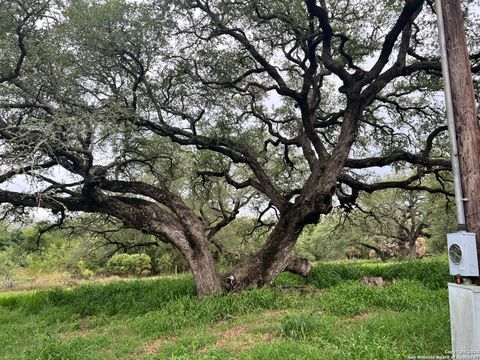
(382, 226)
(163, 319)
(238, 240)
(171, 116)
(81, 251)
(129, 264)
(327, 240)
(83, 270)
(9, 238)
(442, 221)
(7, 267)
(390, 223)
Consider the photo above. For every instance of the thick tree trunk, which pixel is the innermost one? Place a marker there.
(274, 257)
(187, 234)
(207, 279)
(259, 270)
(202, 264)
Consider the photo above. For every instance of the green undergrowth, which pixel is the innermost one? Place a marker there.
(432, 273)
(163, 319)
(132, 297)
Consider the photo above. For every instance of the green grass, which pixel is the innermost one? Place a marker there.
(433, 273)
(163, 319)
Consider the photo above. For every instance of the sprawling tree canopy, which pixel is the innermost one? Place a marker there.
(111, 106)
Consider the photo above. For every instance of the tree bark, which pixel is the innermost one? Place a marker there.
(184, 230)
(204, 271)
(273, 258)
(299, 266)
(412, 249)
(465, 112)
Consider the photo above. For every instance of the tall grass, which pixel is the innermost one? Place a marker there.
(432, 273)
(140, 297)
(133, 297)
(346, 320)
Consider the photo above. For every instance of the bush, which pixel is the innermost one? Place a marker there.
(129, 264)
(82, 271)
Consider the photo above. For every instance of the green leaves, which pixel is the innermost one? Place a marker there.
(129, 264)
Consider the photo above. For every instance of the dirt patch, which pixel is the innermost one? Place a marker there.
(267, 316)
(83, 330)
(240, 338)
(153, 346)
(236, 336)
(268, 338)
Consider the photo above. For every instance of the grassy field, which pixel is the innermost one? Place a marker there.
(24, 279)
(162, 318)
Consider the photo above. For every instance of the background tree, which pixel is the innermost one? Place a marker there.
(442, 219)
(388, 224)
(285, 100)
(393, 221)
(329, 239)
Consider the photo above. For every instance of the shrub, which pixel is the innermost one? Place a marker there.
(81, 270)
(86, 274)
(129, 264)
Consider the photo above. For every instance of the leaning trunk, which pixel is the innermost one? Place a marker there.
(203, 268)
(263, 268)
(207, 279)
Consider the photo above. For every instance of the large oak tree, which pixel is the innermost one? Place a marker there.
(289, 102)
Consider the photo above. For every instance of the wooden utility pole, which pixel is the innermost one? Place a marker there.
(465, 113)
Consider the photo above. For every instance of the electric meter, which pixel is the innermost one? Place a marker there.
(462, 254)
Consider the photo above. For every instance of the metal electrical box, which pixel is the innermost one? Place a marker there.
(462, 254)
(465, 318)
